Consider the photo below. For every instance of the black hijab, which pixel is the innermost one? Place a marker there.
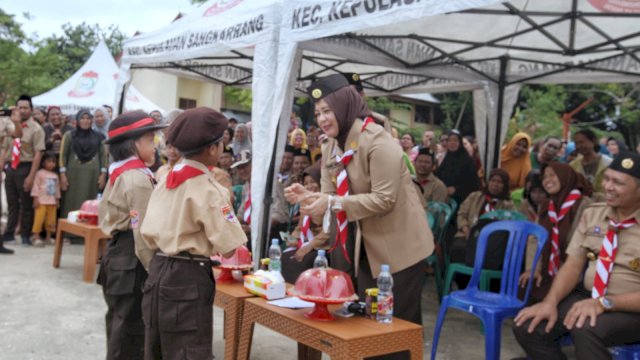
(504, 176)
(459, 170)
(85, 143)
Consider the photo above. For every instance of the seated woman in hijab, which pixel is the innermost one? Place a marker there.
(83, 164)
(495, 196)
(569, 193)
(310, 237)
(515, 160)
(458, 171)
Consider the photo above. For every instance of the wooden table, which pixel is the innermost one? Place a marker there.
(343, 338)
(230, 297)
(94, 239)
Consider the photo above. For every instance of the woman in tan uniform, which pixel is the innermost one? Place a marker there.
(368, 188)
(122, 209)
(190, 218)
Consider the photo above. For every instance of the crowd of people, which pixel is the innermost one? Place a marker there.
(348, 164)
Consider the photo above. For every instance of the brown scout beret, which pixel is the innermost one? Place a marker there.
(628, 163)
(196, 128)
(326, 85)
(129, 125)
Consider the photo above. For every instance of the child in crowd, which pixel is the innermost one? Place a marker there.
(46, 199)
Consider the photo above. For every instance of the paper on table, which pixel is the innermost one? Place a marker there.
(291, 303)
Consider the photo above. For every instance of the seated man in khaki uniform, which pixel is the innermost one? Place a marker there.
(433, 189)
(189, 219)
(606, 311)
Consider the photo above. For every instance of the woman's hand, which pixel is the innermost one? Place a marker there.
(318, 203)
(64, 183)
(302, 252)
(102, 180)
(451, 190)
(295, 193)
(524, 278)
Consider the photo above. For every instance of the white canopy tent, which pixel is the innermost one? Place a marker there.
(490, 47)
(93, 85)
(233, 42)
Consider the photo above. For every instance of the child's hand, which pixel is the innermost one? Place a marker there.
(64, 183)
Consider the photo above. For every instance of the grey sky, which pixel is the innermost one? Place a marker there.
(48, 16)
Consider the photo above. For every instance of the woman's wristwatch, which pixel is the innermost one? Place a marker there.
(336, 203)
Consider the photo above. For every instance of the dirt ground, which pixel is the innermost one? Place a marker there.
(51, 314)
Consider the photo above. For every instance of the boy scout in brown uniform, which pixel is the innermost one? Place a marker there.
(189, 219)
(606, 311)
(121, 211)
(21, 171)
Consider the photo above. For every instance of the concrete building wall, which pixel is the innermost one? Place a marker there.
(166, 89)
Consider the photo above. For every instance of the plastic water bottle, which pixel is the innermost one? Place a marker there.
(275, 252)
(385, 296)
(321, 260)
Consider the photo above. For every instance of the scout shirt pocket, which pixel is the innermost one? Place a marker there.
(121, 275)
(592, 243)
(178, 308)
(629, 256)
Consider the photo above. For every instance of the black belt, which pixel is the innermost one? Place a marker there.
(184, 256)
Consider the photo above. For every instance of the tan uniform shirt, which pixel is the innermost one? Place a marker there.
(588, 237)
(6, 130)
(123, 207)
(162, 172)
(196, 217)
(434, 189)
(382, 199)
(223, 178)
(470, 208)
(32, 140)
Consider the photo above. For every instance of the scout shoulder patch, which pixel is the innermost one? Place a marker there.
(228, 215)
(135, 219)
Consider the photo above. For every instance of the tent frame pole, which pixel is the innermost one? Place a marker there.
(268, 200)
(502, 83)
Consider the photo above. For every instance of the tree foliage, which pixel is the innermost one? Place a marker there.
(29, 65)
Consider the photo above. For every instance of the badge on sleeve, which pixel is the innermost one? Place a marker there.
(228, 215)
(135, 219)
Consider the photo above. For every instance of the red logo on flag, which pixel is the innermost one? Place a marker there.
(220, 7)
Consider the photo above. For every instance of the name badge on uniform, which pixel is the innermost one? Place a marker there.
(228, 214)
(135, 219)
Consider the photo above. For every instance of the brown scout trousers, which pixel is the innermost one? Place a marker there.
(177, 309)
(591, 343)
(122, 276)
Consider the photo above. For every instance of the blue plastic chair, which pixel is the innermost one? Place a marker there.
(493, 308)
(627, 352)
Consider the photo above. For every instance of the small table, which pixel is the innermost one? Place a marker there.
(94, 239)
(230, 297)
(343, 338)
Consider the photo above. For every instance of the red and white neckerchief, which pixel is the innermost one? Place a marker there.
(119, 167)
(15, 153)
(247, 209)
(490, 204)
(306, 235)
(607, 256)
(554, 257)
(15, 150)
(181, 173)
(342, 189)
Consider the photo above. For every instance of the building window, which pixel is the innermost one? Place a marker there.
(423, 114)
(185, 104)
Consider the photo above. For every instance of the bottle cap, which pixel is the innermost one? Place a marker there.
(275, 242)
(321, 253)
(384, 267)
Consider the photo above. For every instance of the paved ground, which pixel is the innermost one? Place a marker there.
(51, 314)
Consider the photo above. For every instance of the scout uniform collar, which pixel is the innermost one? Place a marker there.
(184, 171)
